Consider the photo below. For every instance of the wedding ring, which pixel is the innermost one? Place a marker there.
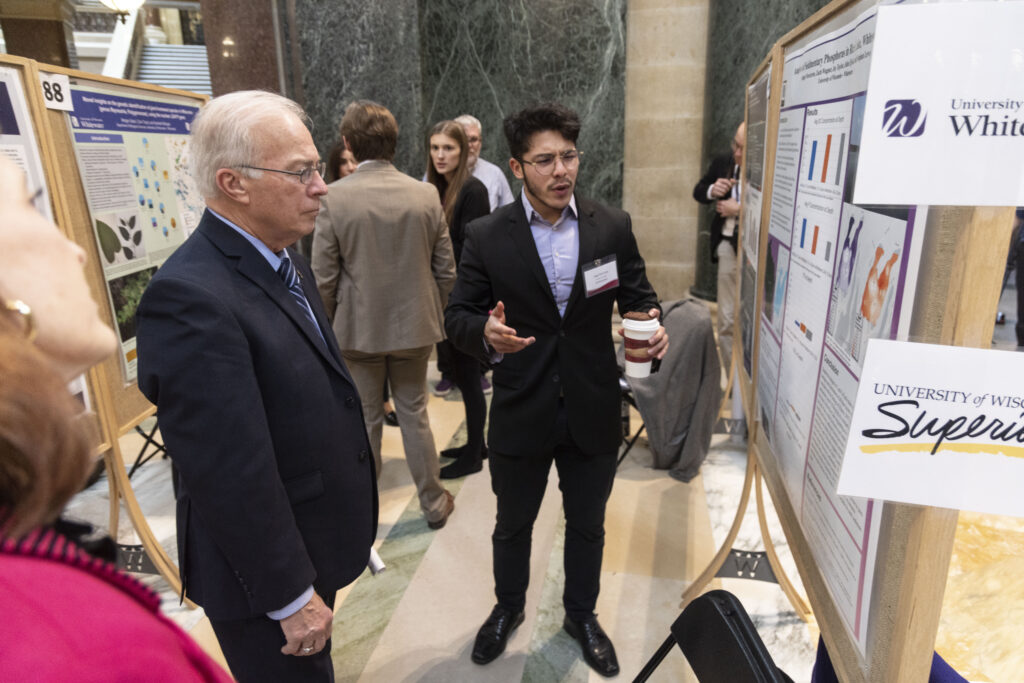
(307, 649)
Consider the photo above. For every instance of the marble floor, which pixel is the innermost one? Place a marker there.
(416, 620)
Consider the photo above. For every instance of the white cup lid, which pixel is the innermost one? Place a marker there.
(641, 325)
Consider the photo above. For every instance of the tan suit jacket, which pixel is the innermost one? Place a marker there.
(383, 260)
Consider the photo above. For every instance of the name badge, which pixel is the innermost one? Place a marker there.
(601, 275)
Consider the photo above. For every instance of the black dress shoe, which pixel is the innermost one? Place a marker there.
(391, 418)
(493, 635)
(462, 467)
(598, 650)
(459, 451)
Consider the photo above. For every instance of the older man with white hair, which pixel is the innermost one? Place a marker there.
(498, 190)
(277, 497)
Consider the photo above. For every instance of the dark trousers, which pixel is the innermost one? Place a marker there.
(446, 362)
(445, 349)
(519, 483)
(466, 370)
(252, 648)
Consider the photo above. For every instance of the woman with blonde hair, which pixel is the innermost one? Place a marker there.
(67, 614)
(464, 198)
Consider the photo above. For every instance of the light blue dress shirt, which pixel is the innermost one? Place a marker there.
(559, 247)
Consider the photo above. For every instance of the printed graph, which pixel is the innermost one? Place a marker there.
(826, 160)
(804, 329)
(809, 241)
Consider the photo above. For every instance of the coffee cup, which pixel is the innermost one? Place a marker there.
(638, 339)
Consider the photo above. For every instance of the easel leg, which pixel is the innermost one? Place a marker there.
(799, 606)
(113, 492)
(752, 479)
(701, 582)
(153, 548)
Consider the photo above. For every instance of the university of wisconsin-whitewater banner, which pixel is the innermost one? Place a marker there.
(944, 118)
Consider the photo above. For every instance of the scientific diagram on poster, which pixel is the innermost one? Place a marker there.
(132, 157)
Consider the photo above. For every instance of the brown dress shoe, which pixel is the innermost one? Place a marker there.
(449, 506)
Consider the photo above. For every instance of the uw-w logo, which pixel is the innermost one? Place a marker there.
(903, 119)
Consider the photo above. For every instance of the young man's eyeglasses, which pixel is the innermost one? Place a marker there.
(545, 163)
(305, 175)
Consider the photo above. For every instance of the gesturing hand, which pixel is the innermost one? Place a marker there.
(501, 337)
(308, 630)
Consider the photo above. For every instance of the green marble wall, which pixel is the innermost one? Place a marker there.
(492, 57)
(740, 34)
(352, 49)
(428, 60)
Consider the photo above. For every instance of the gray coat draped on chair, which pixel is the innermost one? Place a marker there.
(679, 403)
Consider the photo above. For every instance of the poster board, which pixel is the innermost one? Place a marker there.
(920, 273)
(106, 195)
(88, 134)
(762, 94)
(21, 141)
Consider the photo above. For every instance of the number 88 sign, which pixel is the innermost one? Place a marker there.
(56, 91)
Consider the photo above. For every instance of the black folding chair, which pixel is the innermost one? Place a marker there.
(720, 643)
(627, 400)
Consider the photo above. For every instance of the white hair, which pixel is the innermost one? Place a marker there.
(222, 133)
(467, 120)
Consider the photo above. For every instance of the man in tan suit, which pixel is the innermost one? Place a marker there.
(384, 266)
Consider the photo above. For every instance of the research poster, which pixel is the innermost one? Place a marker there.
(131, 149)
(750, 229)
(836, 275)
(18, 143)
(18, 138)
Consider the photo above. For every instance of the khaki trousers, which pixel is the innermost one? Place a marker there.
(406, 373)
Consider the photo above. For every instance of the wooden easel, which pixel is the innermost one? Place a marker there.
(120, 407)
(752, 479)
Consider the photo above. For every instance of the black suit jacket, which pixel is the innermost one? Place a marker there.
(260, 416)
(573, 356)
(721, 167)
(472, 203)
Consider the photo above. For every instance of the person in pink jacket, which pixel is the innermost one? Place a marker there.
(67, 614)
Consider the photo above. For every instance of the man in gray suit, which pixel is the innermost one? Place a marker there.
(384, 265)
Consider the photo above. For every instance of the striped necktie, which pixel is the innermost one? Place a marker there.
(291, 280)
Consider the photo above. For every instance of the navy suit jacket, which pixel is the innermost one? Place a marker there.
(573, 356)
(277, 488)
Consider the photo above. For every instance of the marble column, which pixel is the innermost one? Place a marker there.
(665, 52)
(41, 30)
(242, 45)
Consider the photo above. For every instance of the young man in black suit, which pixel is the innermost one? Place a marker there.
(277, 497)
(534, 292)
